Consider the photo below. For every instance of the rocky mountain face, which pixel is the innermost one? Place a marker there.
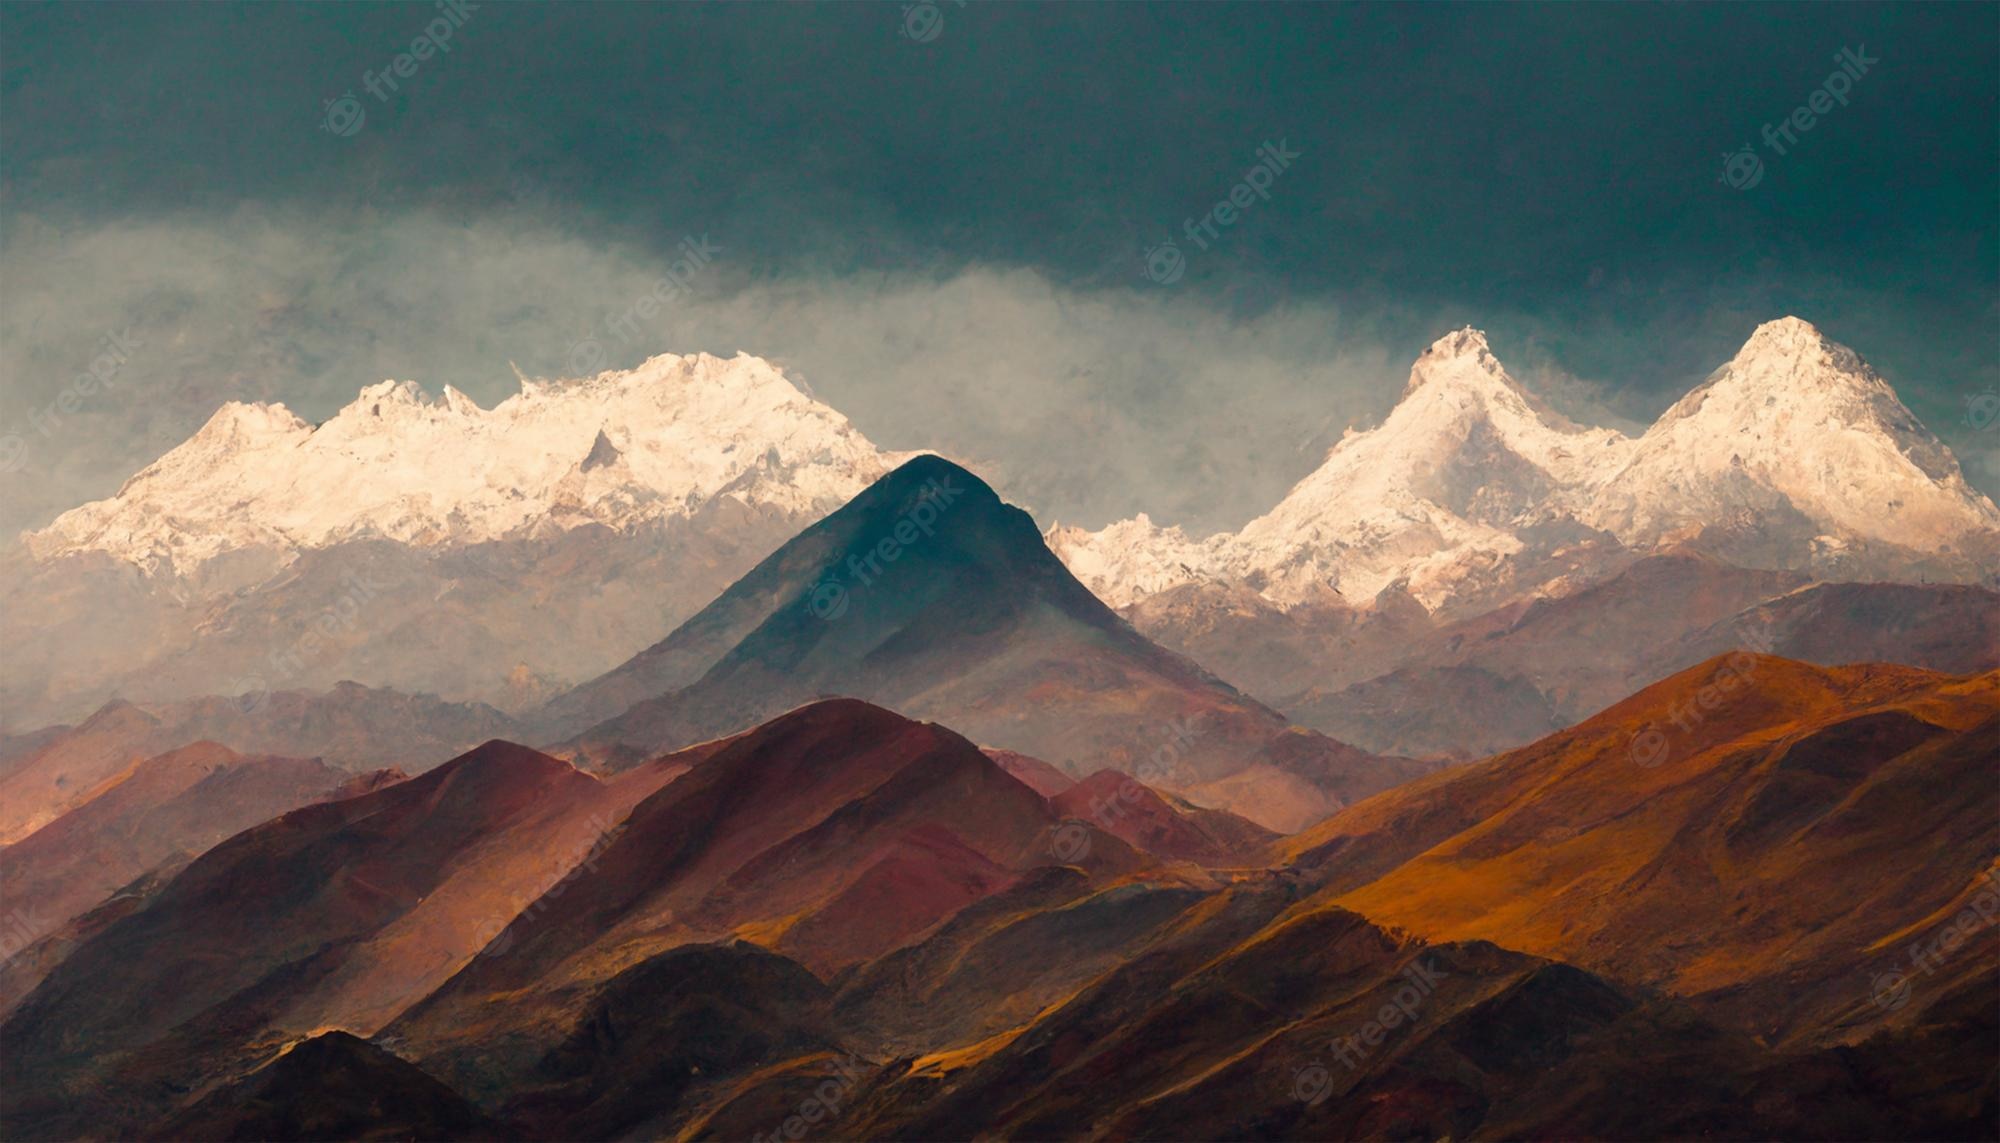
(1394, 679)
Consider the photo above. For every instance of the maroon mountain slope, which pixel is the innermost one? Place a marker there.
(336, 914)
(351, 726)
(832, 834)
(1162, 824)
(167, 809)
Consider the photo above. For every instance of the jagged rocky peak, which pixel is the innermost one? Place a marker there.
(1464, 342)
(1462, 355)
(603, 453)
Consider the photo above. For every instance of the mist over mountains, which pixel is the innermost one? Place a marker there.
(948, 571)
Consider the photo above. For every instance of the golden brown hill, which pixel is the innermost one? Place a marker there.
(1766, 837)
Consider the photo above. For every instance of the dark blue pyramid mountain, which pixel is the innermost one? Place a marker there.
(929, 595)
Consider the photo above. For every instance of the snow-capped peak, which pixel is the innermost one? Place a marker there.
(622, 448)
(1795, 337)
(1795, 443)
(1797, 419)
(1461, 355)
(1131, 559)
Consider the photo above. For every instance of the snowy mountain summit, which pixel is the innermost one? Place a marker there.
(1793, 454)
(658, 442)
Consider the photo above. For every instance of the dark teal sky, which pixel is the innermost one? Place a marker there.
(1552, 174)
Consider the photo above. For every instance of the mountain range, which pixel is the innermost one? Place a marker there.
(1510, 779)
(442, 568)
(1768, 915)
(444, 563)
(1794, 454)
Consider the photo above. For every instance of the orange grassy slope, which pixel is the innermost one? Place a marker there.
(1745, 833)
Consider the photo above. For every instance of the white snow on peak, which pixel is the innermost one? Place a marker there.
(398, 464)
(1131, 559)
(1439, 496)
(1799, 415)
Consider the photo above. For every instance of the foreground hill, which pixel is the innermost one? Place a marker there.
(1752, 901)
(166, 810)
(332, 1086)
(336, 914)
(834, 834)
(1762, 836)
